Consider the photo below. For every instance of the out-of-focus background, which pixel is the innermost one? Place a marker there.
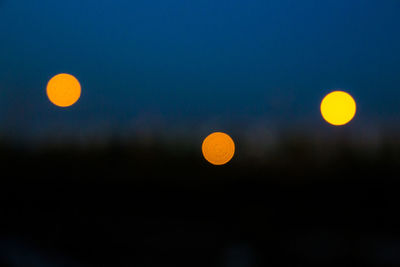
(118, 179)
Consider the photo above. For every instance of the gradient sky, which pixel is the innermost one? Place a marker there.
(177, 61)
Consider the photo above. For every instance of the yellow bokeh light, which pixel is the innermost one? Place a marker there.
(218, 148)
(63, 90)
(338, 108)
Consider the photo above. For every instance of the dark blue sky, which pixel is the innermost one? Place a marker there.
(187, 62)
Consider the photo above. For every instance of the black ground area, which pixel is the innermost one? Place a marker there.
(137, 205)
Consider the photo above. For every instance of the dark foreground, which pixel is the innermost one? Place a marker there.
(130, 205)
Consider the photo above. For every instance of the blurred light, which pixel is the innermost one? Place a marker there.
(63, 90)
(218, 148)
(338, 108)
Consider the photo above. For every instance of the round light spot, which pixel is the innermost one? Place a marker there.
(63, 90)
(338, 108)
(218, 148)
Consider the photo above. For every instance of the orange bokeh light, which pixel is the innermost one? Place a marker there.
(63, 90)
(218, 148)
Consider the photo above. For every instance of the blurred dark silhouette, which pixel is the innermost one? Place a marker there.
(330, 202)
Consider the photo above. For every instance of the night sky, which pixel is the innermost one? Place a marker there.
(188, 63)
